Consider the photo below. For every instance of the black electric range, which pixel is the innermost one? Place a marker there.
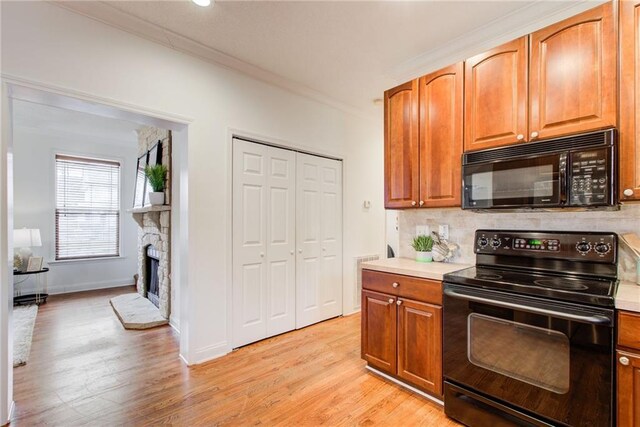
(529, 331)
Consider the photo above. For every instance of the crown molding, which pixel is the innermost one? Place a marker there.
(102, 12)
(525, 20)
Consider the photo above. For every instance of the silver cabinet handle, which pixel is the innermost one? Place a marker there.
(624, 361)
(399, 302)
(292, 252)
(520, 137)
(413, 203)
(299, 251)
(534, 134)
(421, 202)
(390, 300)
(261, 254)
(628, 192)
(395, 284)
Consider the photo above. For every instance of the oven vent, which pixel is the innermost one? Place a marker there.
(599, 138)
(359, 260)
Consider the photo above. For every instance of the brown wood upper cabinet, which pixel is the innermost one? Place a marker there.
(629, 100)
(401, 176)
(441, 128)
(571, 78)
(572, 75)
(496, 96)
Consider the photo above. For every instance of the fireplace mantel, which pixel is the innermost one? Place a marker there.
(152, 211)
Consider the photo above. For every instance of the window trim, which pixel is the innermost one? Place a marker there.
(97, 158)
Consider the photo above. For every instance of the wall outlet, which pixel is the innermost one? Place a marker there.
(443, 231)
(422, 230)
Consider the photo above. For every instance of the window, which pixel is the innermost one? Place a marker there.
(87, 208)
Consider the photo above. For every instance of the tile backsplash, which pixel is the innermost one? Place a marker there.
(463, 224)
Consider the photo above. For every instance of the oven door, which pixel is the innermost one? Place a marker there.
(538, 181)
(551, 361)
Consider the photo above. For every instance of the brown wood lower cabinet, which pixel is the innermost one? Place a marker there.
(628, 389)
(403, 336)
(628, 369)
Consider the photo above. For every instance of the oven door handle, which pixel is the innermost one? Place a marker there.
(597, 319)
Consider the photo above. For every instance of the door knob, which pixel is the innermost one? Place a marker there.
(299, 251)
(628, 192)
(292, 252)
(534, 134)
(421, 202)
(413, 203)
(390, 300)
(399, 302)
(624, 361)
(395, 284)
(520, 137)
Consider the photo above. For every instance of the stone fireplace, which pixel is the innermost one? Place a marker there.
(154, 232)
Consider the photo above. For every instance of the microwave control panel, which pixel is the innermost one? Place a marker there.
(590, 177)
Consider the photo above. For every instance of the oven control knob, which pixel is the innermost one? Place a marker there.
(495, 243)
(483, 242)
(602, 248)
(583, 247)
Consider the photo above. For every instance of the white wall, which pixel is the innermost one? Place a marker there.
(34, 206)
(46, 44)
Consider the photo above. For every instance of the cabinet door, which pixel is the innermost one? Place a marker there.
(379, 330)
(401, 146)
(420, 344)
(629, 100)
(573, 75)
(441, 110)
(628, 390)
(495, 93)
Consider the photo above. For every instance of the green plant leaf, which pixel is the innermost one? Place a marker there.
(157, 175)
(422, 243)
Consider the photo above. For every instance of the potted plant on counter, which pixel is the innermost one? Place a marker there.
(423, 245)
(157, 176)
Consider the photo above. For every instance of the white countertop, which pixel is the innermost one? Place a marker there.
(410, 267)
(628, 297)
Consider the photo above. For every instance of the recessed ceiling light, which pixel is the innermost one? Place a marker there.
(203, 3)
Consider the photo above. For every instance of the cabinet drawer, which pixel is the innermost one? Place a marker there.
(407, 286)
(629, 329)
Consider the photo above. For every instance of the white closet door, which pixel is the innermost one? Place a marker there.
(263, 241)
(281, 241)
(249, 242)
(319, 239)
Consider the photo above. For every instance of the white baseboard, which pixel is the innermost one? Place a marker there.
(175, 324)
(211, 352)
(407, 386)
(79, 287)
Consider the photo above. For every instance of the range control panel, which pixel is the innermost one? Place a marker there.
(600, 247)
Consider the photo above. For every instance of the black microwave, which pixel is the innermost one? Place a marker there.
(578, 171)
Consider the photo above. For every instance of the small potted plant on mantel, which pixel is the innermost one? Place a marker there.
(157, 176)
(423, 245)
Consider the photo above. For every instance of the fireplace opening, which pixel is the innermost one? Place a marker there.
(152, 282)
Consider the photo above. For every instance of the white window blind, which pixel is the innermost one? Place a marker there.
(87, 208)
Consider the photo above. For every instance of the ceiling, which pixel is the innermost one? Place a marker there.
(45, 118)
(344, 53)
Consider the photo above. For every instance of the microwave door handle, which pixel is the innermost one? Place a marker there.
(597, 319)
(562, 169)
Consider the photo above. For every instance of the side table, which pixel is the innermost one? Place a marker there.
(41, 294)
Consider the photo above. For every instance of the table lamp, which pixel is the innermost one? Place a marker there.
(24, 239)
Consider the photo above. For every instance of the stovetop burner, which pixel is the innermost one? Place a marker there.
(486, 276)
(560, 283)
(593, 291)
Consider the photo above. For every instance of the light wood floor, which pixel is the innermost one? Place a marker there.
(85, 368)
